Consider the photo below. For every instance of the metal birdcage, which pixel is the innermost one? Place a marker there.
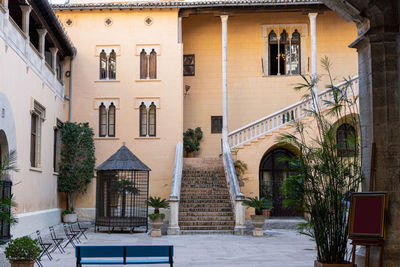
(122, 192)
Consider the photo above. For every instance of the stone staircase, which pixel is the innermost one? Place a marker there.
(205, 205)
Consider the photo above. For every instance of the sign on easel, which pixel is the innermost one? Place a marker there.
(367, 215)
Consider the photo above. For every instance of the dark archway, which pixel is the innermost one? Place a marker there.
(273, 171)
(3, 145)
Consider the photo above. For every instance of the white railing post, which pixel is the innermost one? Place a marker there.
(173, 228)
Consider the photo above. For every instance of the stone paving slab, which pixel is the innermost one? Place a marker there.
(283, 248)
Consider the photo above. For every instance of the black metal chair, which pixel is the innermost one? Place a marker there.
(83, 230)
(76, 232)
(45, 248)
(70, 236)
(56, 240)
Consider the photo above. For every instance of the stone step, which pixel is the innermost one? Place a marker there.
(206, 223)
(207, 200)
(203, 196)
(206, 232)
(202, 186)
(227, 209)
(203, 183)
(189, 190)
(206, 228)
(184, 218)
(206, 213)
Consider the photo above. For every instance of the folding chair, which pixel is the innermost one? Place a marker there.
(56, 240)
(70, 236)
(76, 232)
(45, 247)
(83, 230)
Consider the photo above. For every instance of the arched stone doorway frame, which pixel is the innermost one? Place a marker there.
(292, 151)
(7, 124)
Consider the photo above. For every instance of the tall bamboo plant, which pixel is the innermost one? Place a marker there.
(323, 178)
(7, 164)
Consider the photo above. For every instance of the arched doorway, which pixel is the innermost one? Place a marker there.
(3, 145)
(273, 171)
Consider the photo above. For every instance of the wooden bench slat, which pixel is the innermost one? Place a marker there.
(147, 251)
(152, 261)
(99, 251)
(102, 262)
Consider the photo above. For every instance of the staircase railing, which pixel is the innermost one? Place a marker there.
(283, 117)
(173, 228)
(234, 190)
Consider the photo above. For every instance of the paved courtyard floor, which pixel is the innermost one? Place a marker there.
(278, 248)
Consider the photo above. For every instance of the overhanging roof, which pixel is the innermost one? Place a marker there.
(123, 160)
(185, 4)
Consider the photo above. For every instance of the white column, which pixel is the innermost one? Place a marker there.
(5, 3)
(180, 30)
(54, 51)
(26, 10)
(224, 20)
(42, 36)
(313, 30)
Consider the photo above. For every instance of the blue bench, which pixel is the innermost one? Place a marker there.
(112, 255)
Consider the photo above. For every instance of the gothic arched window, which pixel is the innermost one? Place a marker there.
(143, 64)
(143, 120)
(293, 54)
(112, 65)
(102, 120)
(273, 53)
(152, 120)
(103, 65)
(346, 138)
(111, 120)
(153, 65)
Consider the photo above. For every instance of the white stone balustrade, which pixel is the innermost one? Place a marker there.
(283, 117)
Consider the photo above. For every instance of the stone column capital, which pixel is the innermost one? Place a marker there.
(42, 32)
(224, 18)
(53, 50)
(312, 16)
(26, 9)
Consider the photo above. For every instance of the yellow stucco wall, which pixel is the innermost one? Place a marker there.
(127, 31)
(251, 94)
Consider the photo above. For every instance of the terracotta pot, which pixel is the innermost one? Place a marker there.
(318, 264)
(22, 263)
(266, 213)
(70, 218)
(189, 154)
(156, 225)
(258, 222)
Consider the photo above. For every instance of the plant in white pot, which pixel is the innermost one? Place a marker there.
(258, 219)
(156, 219)
(77, 164)
(22, 252)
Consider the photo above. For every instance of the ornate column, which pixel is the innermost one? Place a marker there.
(42, 36)
(179, 30)
(224, 20)
(54, 51)
(313, 34)
(26, 10)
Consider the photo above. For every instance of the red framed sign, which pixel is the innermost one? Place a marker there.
(367, 215)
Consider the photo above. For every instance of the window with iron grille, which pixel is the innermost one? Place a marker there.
(188, 65)
(216, 124)
(346, 138)
(57, 146)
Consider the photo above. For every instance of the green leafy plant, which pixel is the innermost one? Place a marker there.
(66, 212)
(191, 139)
(22, 249)
(77, 160)
(157, 203)
(156, 215)
(258, 204)
(8, 164)
(240, 169)
(322, 179)
(123, 187)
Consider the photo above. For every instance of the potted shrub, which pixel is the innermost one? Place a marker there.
(22, 252)
(156, 219)
(77, 164)
(323, 179)
(267, 193)
(191, 140)
(258, 219)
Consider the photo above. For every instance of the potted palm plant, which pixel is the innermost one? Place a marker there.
(191, 141)
(156, 219)
(258, 219)
(323, 178)
(22, 252)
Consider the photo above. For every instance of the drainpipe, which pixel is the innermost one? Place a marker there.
(69, 98)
